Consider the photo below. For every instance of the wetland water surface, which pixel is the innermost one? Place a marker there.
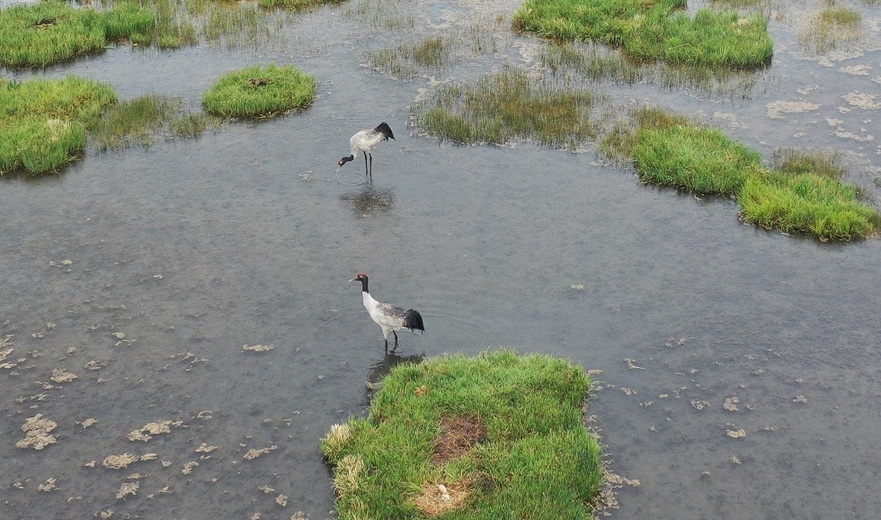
(752, 386)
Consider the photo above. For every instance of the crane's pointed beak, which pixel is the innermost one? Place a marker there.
(354, 278)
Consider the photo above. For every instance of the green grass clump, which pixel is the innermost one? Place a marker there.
(807, 203)
(260, 91)
(653, 30)
(502, 433)
(508, 105)
(43, 122)
(701, 160)
(39, 34)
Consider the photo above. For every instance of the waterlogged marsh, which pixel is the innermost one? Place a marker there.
(144, 272)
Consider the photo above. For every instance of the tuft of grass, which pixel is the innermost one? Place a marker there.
(36, 35)
(701, 160)
(508, 105)
(650, 30)
(191, 125)
(807, 203)
(405, 61)
(499, 435)
(43, 122)
(260, 91)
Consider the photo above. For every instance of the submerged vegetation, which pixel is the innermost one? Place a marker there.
(406, 61)
(650, 30)
(260, 91)
(139, 120)
(832, 26)
(496, 436)
(509, 105)
(597, 63)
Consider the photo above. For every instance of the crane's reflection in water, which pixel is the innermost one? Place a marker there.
(370, 200)
(381, 368)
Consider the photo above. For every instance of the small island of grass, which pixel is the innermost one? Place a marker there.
(495, 436)
(43, 123)
(802, 194)
(260, 91)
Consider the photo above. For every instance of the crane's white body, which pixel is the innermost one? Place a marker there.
(364, 141)
(390, 318)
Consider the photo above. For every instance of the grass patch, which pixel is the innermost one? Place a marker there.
(496, 436)
(260, 91)
(508, 105)
(43, 122)
(33, 35)
(801, 193)
(696, 159)
(807, 203)
(832, 26)
(650, 30)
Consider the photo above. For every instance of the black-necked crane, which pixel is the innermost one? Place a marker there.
(364, 141)
(390, 317)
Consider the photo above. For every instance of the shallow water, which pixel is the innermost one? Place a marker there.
(192, 249)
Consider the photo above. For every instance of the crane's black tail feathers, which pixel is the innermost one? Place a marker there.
(385, 130)
(413, 320)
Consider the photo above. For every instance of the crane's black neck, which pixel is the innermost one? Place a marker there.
(364, 284)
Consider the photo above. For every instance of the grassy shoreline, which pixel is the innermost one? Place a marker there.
(649, 30)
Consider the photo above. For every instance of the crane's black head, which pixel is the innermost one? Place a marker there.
(344, 160)
(361, 277)
(385, 130)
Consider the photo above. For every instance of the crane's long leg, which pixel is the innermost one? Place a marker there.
(370, 176)
(366, 171)
(396, 338)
